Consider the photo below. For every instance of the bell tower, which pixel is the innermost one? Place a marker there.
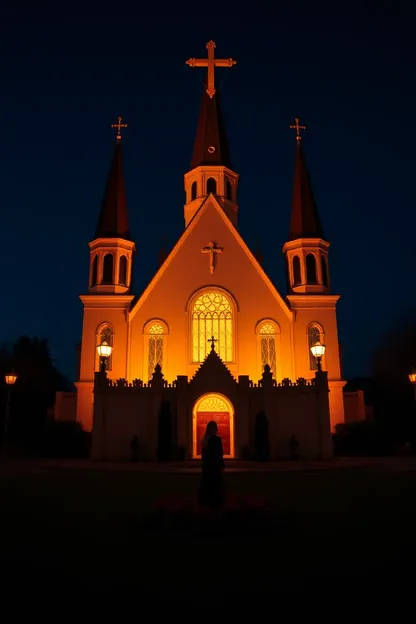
(211, 169)
(306, 251)
(111, 251)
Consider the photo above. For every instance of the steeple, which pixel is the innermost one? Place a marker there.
(211, 145)
(211, 169)
(304, 222)
(111, 251)
(306, 250)
(113, 219)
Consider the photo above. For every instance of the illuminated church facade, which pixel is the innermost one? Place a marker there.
(210, 337)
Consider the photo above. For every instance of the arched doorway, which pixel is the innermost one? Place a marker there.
(213, 406)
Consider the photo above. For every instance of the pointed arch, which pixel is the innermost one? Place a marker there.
(297, 278)
(311, 276)
(155, 346)
(211, 186)
(194, 190)
(104, 332)
(94, 272)
(108, 269)
(122, 270)
(315, 333)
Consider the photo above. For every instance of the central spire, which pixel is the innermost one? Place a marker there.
(211, 145)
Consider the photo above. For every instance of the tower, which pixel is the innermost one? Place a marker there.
(109, 289)
(111, 251)
(211, 169)
(306, 251)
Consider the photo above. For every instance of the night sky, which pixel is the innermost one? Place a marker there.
(65, 76)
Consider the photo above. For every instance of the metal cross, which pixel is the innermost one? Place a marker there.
(212, 340)
(212, 249)
(119, 125)
(211, 62)
(298, 128)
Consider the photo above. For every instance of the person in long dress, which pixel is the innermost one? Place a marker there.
(211, 491)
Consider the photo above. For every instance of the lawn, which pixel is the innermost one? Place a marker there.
(78, 530)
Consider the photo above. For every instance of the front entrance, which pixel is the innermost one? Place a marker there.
(213, 407)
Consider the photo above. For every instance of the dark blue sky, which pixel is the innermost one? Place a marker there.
(65, 76)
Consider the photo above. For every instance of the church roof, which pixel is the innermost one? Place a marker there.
(305, 222)
(113, 220)
(211, 145)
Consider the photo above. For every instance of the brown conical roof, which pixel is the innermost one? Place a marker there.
(113, 220)
(211, 145)
(304, 222)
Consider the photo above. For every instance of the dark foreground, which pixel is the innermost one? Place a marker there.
(75, 532)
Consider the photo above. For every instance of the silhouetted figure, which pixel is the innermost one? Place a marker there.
(211, 491)
(293, 445)
(135, 446)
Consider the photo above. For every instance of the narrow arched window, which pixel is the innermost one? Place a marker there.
(296, 271)
(311, 269)
(104, 334)
(108, 268)
(94, 273)
(267, 333)
(212, 316)
(324, 271)
(315, 334)
(122, 271)
(193, 190)
(155, 353)
(229, 190)
(211, 186)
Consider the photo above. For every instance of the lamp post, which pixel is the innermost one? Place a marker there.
(318, 351)
(104, 351)
(412, 379)
(10, 380)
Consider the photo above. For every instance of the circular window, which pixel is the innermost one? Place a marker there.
(211, 149)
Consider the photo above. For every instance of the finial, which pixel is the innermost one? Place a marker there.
(298, 128)
(119, 125)
(211, 63)
(212, 340)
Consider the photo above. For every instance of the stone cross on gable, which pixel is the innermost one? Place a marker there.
(212, 250)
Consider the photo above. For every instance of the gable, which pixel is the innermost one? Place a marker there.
(187, 269)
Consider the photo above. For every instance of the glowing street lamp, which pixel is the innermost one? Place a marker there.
(10, 380)
(104, 351)
(318, 351)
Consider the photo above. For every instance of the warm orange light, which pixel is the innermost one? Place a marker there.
(104, 349)
(10, 379)
(412, 376)
(318, 350)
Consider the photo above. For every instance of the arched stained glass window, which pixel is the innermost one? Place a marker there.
(314, 336)
(155, 347)
(212, 316)
(104, 334)
(268, 346)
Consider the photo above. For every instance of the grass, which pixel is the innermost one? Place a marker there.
(79, 529)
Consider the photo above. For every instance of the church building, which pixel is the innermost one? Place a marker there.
(210, 337)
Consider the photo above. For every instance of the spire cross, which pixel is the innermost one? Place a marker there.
(298, 128)
(211, 62)
(119, 125)
(212, 249)
(212, 340)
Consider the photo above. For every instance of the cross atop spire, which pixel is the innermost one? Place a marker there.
(211, 62)
(119, 125)
(212, 340)
(298, 128)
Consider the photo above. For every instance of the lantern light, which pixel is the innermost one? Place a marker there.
(104, 349)
(318, 350)
(10, 379)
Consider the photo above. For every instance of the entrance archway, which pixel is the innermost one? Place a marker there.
(213, 406)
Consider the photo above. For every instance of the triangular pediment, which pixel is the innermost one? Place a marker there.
(211, 207)
(213, 374)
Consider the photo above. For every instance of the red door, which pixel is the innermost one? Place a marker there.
(223, 421)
